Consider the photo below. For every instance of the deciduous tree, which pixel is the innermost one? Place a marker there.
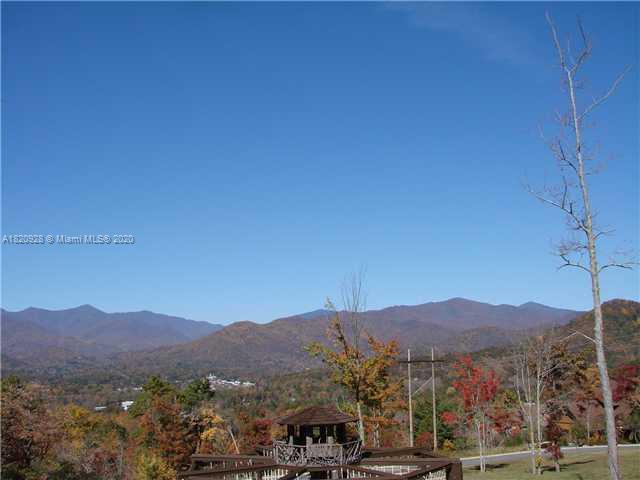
(572, 197)
(30, 430)
(358, 361)
(254, 431)
(214, 436)
(165, 431)
(536, 360)
(478, 388)
(150, 466)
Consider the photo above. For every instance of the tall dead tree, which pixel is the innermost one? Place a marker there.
(574, 160)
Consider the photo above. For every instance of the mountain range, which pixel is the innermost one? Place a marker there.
(136, 344)
(36, 336)
(247, 348)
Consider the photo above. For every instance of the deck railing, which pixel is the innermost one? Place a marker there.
(319, 454)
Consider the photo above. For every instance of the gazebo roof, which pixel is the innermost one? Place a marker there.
(317, 416)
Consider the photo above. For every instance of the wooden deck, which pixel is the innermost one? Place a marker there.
(373, 464)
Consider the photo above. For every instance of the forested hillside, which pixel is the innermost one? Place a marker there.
(245, 348)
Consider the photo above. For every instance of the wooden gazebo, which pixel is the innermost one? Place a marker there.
(317, 436)
(317, 424)
(317, 446)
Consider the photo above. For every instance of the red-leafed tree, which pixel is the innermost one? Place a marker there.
(627, 384)
(450, 418)
(425, 440)
(554, 432)
(478, 388)
(255, 430)
(626, 399)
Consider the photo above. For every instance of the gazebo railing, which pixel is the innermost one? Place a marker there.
(317, 453)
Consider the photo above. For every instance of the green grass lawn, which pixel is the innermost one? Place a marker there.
(473, 452)
(582, 466)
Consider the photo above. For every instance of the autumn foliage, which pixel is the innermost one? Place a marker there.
(45, 438)
(361, 363)
(477, 388)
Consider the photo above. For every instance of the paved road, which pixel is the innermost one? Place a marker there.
(513, 456)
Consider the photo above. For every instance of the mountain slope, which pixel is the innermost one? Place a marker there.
(621, 326)
(88, 325)
(463, 314)
(250, 349)
(27, 346)
(243, 348)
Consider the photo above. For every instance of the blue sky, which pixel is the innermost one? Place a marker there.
(261, 152)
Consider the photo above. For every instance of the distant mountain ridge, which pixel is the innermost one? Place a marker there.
(95, 332)
(26, 343)
(463, 314)
(247, 348)
(140, 343)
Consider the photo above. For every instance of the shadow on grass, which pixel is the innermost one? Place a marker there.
(565, 465)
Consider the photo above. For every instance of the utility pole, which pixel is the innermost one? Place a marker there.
(433, 361)
(433, 400)
(410, 399)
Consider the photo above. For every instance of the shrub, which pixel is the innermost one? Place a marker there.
(152, 467)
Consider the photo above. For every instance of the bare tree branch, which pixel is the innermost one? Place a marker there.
(628, 266)
(569, 263)
(586, 51)
(576, 332)
(566, 207)
(621, 259)
(554, 32)
(604, 233)
(598, 101)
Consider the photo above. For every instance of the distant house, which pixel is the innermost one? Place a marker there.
(126, 404)
(215, 383)
(101, 408)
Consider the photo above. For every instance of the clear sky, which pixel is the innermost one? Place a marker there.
(260, 152)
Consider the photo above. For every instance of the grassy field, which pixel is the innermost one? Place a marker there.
(473, 452)
(583, 466)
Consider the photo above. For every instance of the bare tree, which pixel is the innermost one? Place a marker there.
(524, 387)
(575, 162)
(354, 304)
(350, 362)
(534, 363)
(360, 362)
